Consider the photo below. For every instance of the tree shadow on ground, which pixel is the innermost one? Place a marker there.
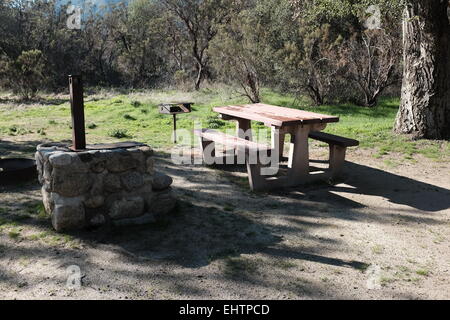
(192, 237)
(36, 100)
(18, 148)
(197, 233)
(202, 230)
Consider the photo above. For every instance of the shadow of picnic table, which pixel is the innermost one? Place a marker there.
(396, 189)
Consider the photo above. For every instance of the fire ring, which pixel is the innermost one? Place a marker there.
(15, 170)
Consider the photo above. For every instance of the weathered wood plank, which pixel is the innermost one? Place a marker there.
(231, 141)
(273, 115)
(333, 139)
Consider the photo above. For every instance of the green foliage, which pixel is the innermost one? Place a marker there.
(320, 11)
(15, 130)
(371, 126)
(92, 125)
(119, 133)
(213, 122)
(241, 53)
(14, 234)
(24, 74)
(181, 78)
(129, 117)
(196, 24)
(136, 103)
(284, 44)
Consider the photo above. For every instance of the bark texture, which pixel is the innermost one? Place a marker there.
(425, 106)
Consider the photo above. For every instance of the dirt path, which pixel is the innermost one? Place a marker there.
(383, 233)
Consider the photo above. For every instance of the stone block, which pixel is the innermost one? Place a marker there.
(68, 213)
(97, 220)
(150, 164)
(112, 183)
(132, 180)
(161, 181)
(95, 202)
(47, 175)
(120, 163)
(98, 166)
(127, 208)
(70, 184)
(60, 159)
(147, 151)
(47, 201)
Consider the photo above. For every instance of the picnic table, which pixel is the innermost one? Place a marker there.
(301, 125)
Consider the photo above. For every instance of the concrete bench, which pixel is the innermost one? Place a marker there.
(338, 146)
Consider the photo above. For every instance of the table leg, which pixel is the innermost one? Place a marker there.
(278, 136)
(299, 156)
(208, 151)
(243, 131)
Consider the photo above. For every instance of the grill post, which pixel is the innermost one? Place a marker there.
(174, 128)
(174, 109)
(77, 108)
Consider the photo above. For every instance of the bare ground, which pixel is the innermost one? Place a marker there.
(383, 233)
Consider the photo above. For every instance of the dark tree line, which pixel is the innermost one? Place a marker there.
(150, 43)
(329, 50)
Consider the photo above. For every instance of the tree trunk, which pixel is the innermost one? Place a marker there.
(199, 77)
(315, 95)
(425, 106)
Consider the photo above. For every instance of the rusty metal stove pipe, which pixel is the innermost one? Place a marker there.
(77, 108)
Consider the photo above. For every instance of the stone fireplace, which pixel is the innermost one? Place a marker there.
(99, 186)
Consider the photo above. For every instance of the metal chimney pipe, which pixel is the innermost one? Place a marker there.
(77, 108)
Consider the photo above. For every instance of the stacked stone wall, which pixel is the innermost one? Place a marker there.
(97, 187)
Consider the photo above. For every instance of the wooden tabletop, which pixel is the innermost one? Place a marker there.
(273, 115)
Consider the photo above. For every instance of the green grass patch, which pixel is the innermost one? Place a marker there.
(377, 249)
(235, 267)
(91, 125)
(423, 272)
(119, 133)
(137, 116)
(36, 210)
(14, 234)
(284, 264)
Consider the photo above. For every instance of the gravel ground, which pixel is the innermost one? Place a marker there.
(382, 233)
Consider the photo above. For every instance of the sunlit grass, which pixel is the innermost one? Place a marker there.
(137, 116)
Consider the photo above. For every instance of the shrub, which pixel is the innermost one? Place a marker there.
(136, 103)
(42, 132)
(128, 117)
(181, 78)
(214, 122)
(23, 75)
(119, 133)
